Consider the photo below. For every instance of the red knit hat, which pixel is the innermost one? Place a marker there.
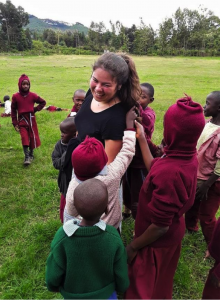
(183, 124)
(88, 159)
(21, 79)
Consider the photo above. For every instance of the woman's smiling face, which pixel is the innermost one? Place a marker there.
(103, 86)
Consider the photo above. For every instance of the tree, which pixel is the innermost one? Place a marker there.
(12, 20)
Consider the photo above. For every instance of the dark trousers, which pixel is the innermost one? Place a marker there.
(204, 211)
(132, 183)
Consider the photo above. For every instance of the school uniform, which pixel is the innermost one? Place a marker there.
(210, 291)
(148, 120)
(73, 110)
(167, 193)
(209, 163)
(137, 172)
(23, 114)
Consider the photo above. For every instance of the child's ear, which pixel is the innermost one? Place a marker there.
(151, 99)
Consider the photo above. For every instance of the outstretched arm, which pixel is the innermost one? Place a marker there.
(146, 154)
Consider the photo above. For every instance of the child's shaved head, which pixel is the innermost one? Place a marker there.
(91, 199)
(215, 95)
(69, 124)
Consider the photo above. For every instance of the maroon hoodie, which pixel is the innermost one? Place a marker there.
(23, 102)
(169, 189)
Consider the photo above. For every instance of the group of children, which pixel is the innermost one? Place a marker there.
(87, 258)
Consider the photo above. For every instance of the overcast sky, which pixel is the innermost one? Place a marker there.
(128, 12)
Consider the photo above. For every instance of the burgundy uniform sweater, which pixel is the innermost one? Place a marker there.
(167, 193)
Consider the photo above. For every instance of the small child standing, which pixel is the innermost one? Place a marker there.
(7, 105)
(88, 259)
(147, 118)
(136, 172)
(23, 117)
(212, 286)
(78, 98)
(68, 131)
(167, 193)
(207, 198)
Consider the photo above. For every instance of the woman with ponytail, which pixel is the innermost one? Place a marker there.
(115, 88)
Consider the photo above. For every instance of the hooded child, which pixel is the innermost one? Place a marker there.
(87, 258)
(68, 131)
(207, 200)
(167, 193)
(90, 160)
(23, 117)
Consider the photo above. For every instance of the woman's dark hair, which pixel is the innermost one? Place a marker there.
(123, 70)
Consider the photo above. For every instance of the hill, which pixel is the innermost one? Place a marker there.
(36, 24)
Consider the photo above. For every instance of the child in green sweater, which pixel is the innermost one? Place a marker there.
(88, 259)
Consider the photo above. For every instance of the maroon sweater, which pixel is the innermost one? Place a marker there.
(25, 104)
(167, 193)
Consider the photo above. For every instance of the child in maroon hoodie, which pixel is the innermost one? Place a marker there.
(167, 193)
(212, 286)
(23, 117)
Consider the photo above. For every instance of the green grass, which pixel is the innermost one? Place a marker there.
(29, 210)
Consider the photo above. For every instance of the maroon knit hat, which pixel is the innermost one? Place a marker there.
(183, 124)
(88, 159)
(21, 79)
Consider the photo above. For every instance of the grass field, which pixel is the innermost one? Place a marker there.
(29, 197)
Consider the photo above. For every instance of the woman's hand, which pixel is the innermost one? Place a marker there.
(130, 117)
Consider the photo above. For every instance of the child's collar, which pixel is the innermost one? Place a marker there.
(71, 226)
(103, 172)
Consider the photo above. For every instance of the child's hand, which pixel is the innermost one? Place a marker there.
(139, 130)
(139, 119)
(131, 253)
(202, 191)
(130, 117)
(17, 128)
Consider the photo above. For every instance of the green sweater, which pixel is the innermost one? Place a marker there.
(90, 264)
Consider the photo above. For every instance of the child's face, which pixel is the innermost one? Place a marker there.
(211, 108)
(66, 133)
(25, 85)
(78, 99)
(145, 98)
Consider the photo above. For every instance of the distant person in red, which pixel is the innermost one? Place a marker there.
(23, 117)
(207, 200)
(167, 193)
(78, 98)
(212, 286)
(53, 108)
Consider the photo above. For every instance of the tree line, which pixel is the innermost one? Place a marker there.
(187, 32)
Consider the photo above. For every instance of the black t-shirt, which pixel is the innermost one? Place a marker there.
(108, 124)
